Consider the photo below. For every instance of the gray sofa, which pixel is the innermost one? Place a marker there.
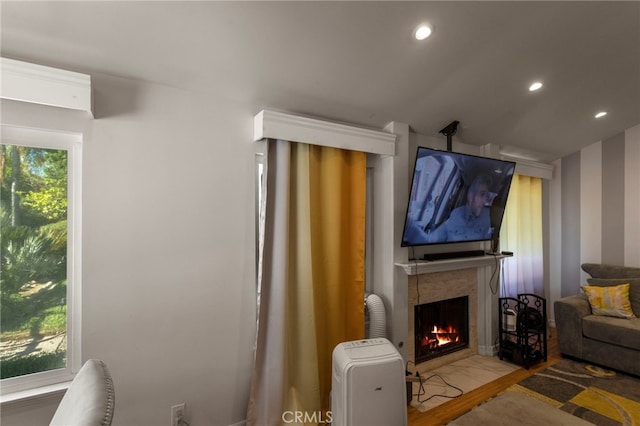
(607, 341)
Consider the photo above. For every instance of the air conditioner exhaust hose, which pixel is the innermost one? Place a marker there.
(377, 316)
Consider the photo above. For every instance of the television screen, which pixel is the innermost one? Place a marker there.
(456, 198)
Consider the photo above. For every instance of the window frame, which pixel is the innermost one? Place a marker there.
(72, 143)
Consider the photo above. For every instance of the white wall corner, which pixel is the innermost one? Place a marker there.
(395, 281)
(26, 82)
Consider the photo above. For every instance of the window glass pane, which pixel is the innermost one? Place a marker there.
(33, 278)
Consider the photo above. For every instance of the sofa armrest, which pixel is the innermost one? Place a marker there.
(569, 312)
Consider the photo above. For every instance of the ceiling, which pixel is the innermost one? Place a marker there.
(357, 62)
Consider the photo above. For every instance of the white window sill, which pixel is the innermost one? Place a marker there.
(30, 396)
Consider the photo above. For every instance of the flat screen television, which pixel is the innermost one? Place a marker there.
(456, 198)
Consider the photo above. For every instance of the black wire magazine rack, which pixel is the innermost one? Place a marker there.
(523, 329)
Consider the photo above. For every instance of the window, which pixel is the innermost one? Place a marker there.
(40, 174)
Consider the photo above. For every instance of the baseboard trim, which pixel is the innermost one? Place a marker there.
(485, 350)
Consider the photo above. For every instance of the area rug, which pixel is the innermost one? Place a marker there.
(600, 396)
(567, 393)
(515, 408)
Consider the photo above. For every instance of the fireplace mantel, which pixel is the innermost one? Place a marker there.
(425, 267)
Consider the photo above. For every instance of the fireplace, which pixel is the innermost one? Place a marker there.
(441, 327)
(435, 287)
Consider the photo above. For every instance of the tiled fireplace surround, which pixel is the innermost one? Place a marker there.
(432, 287)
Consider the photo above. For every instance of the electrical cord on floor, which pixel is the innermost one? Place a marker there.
(422, 391)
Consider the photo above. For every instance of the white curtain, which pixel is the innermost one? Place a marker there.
(521, 234)
(272, 267)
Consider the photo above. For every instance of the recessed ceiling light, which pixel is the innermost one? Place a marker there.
(422, 32)
(535, 86)
(601, 114)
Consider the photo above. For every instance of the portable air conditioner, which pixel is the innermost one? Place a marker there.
(368, 385)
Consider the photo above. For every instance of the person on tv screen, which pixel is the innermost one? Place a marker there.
(470, 222)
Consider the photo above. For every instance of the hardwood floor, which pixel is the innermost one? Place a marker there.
(450, 410)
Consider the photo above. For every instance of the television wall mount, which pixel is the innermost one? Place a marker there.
(449, 131)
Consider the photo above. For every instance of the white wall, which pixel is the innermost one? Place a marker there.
(632, 196)
(553, 238)
(168, 249)
(598, 188)
(590, 212)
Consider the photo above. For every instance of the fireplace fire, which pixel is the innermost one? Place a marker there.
(441, 337)
(441, 327)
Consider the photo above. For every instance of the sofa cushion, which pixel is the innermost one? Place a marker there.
(602, 270)
(612, 301)
(617, 331)
(634, 289)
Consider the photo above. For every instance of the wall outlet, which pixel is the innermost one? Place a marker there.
(177, 414)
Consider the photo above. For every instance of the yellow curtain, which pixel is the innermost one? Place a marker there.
(303, 394)
(522, 234)
(338, 190)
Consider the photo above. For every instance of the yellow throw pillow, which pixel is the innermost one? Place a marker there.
(611, 301)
